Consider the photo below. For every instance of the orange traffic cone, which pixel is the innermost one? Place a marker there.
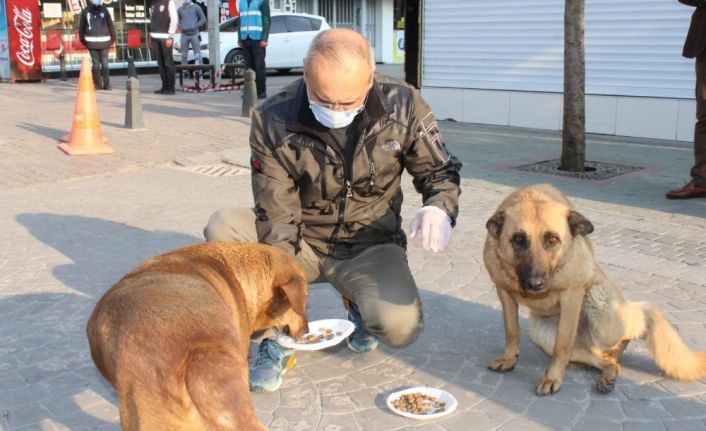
(86, 136)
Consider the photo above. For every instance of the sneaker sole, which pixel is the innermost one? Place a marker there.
(353, 349)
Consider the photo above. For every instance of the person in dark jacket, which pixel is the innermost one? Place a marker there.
(253, 31)
(163, 24)
(695, 47)
(327, 156)
(96, 33)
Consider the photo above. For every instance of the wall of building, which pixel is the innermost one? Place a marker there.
(502, 63)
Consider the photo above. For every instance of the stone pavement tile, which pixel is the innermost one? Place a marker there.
(684, 408)
(644, 426)
(339, 422)
(685, 425)
(27, 414)
(593, 423)
(553, 413)
(21, 396)
(11, 380)
(606, 409)
(487, 415)
(645, 409)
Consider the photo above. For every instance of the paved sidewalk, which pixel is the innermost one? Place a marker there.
(71, 227)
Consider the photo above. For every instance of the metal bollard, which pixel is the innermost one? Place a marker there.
(133, 105)
(131, 70)
(249, 93)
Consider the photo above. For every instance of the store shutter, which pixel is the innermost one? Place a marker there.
(633, 47)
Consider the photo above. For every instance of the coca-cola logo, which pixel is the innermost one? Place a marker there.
(23, 24)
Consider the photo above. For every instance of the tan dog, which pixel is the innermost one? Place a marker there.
(537, 255)
(172, 336)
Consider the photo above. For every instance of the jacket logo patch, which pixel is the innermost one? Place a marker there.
(161, 8)
(256, 165)
(391, 146)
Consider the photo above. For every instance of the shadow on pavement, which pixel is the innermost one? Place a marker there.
(45, 349)
(47, 132)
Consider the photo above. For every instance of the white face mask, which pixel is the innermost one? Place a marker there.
(334, 119)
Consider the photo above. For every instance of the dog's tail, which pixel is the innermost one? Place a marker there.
(670, 352)
(220, 390)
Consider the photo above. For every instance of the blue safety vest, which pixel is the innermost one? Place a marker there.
(250, 19)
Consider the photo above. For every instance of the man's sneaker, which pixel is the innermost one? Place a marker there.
(360, 341)
(271, 364)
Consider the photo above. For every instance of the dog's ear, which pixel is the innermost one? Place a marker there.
(579, 224)
(495, 224)
(295, 290)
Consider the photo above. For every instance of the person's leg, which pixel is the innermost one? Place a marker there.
(169, 66)
(105, 69)
(158, 50)
(195, 41)
(380, 285)
(95, 68)
(184, 42)
(260, 69)
(698, 171)
(272, 360)
(238, 224)
(248, 54)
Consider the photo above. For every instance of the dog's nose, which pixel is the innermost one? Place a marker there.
(535, 283)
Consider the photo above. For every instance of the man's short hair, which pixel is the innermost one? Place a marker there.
(334, 50)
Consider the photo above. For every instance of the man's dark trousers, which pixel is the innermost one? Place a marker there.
(99, 69)
(165, 60)
(255, 59)
(698, 172)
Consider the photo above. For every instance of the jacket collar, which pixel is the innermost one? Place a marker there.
(302, 118)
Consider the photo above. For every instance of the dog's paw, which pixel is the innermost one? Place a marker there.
(548, 386)
(502, 364)
(605, 385)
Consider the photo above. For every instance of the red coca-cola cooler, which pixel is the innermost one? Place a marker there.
(20, 47)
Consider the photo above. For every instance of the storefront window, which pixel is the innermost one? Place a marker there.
(60, 24)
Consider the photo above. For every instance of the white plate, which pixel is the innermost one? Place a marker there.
(345, 327)
(439, 394)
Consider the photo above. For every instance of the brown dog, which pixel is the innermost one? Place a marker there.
(537, 255)
(172, 336)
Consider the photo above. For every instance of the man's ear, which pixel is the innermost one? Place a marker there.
(579, 224)
(495, 224)
(295, 290)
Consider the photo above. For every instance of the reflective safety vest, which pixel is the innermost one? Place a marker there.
(250, 19)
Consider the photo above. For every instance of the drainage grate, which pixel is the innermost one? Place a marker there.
(216, 170)
(594, 170)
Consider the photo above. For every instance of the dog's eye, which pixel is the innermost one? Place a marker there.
(519, 240)
(552, 239)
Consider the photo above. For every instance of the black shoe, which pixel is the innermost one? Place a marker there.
(168, 91)
(262, 96)
(107, 87)
(160, 91)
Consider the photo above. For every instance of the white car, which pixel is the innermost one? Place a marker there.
(290, 36)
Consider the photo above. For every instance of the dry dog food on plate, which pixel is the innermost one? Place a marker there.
(323, 335)
(419, 404)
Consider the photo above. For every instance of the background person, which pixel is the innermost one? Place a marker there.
(327, 155)
(253, 31)
(163, 22)
(191, 18)
(97, 33)
(695, 47)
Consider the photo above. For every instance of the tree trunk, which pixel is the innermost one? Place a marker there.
(573, 138)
